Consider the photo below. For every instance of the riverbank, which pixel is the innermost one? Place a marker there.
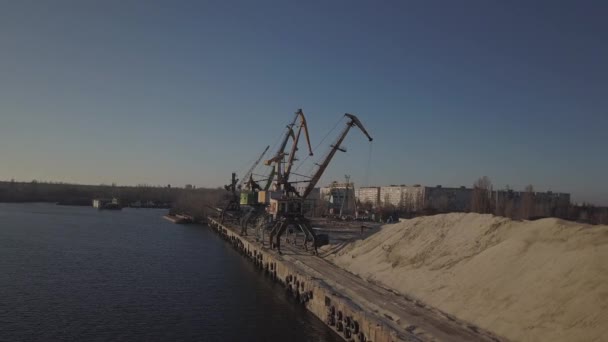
(539, 280)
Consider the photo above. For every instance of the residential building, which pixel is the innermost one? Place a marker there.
(368, 195)
(415, 198)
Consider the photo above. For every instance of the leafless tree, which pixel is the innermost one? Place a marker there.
(527, 208)
(401, 206)
(367, 205)
(408, 202)
(387, 200)
(603, 216)
(481, 201)
(510, 207)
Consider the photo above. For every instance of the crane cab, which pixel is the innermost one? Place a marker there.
(285, 207)
(249, 198)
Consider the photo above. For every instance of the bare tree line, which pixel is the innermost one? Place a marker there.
(526, 205)
(507, 203)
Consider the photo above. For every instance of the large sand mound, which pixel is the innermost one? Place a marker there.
(544, 280)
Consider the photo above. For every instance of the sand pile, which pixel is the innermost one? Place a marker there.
(544, 280)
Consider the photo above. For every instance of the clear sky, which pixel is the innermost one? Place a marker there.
(179, 92)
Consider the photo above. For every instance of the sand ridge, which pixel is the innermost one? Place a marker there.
(544, 280)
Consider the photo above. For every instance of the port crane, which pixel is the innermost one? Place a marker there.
(247, 180)
(287, 210)
(280, 170)
(233, 207)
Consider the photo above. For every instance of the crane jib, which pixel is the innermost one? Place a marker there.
(354, 121)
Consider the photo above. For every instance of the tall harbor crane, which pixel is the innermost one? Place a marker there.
(336, 146)
(287, 210)
(233, 208)
(247, 180)
(280, 172)
(303, 126)
(282, 169)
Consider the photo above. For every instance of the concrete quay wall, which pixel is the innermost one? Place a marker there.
(337, 311)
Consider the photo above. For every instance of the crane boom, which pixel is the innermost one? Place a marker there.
(353, 121)
(269, 180)
(282, 175)
(294, 146)
(281, 150)
(255, 164)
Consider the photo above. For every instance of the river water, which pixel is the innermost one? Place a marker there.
(78, 274)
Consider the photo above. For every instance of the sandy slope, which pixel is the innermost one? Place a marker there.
(543, 280)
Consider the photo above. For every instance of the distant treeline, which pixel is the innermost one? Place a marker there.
(528, 206)
(197, 203)
(186, 199)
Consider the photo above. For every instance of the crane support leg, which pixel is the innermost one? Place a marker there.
(306, 235)
(300, 223)
(274, 231)
(246, 219)
(244, 224)
(282, 227)
(278, 232)
(310, 236)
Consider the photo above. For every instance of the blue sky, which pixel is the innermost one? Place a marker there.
(179, 92)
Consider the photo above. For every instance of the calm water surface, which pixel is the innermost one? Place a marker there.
(78, 274)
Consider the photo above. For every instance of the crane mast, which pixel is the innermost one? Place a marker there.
(278, 157)
(294, 147)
